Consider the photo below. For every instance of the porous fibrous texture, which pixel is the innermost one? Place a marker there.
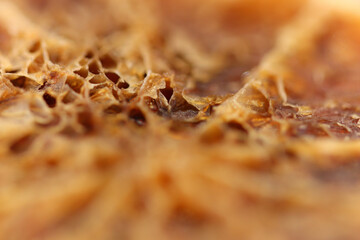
(180, 119)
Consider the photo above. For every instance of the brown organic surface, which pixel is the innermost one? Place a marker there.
(180, 119)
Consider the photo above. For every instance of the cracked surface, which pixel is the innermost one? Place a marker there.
(209, 119)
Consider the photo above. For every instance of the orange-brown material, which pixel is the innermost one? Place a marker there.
(180, 119)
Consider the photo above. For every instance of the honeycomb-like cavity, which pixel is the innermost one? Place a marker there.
(179, 119)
